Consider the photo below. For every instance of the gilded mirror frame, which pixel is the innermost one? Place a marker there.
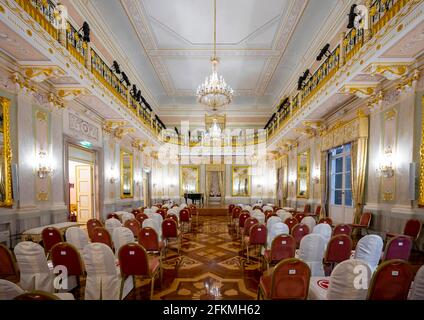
(7, 154)
(308, 170)
(194, 168)
(124, 153)
(233, 189)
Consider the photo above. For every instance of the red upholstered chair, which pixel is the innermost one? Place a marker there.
(291, 222)
(235, 214)
(306, 209)
(159, 205)
(257, 237)
(113, 215)
(134, 225)
(248, 223)
(91, 225)
(391, 281)
(50, 236)
(162, 212)
(412, 229)
(298, 232)
(276, 208)
(326, 220)
(140, 217)
(289, 281)
(242, 219)
(299, 217)
(316, 213)
(342, 229)
(269, 215)
(364, 223)
(135, 211)
(339, 249)
(149, 239)
(134, 261)
(398, 247)
(65, 254)
(173, 217)
(170, 232)
(101, 235)
(8, 266)
(282, 247)
(194, 212)
(230, 213)
(185, 219)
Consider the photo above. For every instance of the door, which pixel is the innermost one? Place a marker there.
(84, 178)
(341, 209)
(146, 189)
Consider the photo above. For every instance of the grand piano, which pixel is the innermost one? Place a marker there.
(194, 197)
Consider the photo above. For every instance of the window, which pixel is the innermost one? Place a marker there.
(340, 179)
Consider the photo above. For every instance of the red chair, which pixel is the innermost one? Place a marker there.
(194, 212)
(235, 214)
(398, 248)
(364, 223)
(140, 217)
(291, 222)
(135, 211)
(149, 239)
(134, 226)
(299, 217)
(242, 219)
(134, 261)
(257, 237)
(316, 213)
(298, 232)
(342, 229)
(391, 281)
(101, 235)
(50, 237)
(91, 225)
(289, 281)
(326, 220)
(113, 215)
(282, 247)
(276, 209)
(412, 229)
(230, 208)
(269, 215)
(185, 219)
(162, 212)
(248, 223)
(65, 254)
(173, 217)
(339, 249)
(8, 265)
(170, 232)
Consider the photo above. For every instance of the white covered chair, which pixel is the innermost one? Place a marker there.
(154, 209)
(266, 208)
(126, 216)
(323, 230)
(349, 280)
(121, 236)
(284, 215)
(10, 290)
(183, 206)
(271, 221)
(77, 237)
(151, 223)
(158, 220)
(417, 288)
(103, 276)
(369, 249)
(276, 230)
(111, 224)
(258, 215)
(32, 262)
(311, 251)
(310, 222)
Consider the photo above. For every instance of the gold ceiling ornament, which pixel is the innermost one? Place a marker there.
(314, 124)
(55, 101)
(22, 82)
(121, 132)
(289, 144)
(362, 91)
(41, 73)
(389, 70)
(69, 94)
(408, 82)
(308, 132)
(214, 92)
(376, 100)
(138, 144)
(109, 126)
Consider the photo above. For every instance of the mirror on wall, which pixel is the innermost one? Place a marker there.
(6, 197)
(303, 174)
(189, 179)
(126, 174)
(241, 181)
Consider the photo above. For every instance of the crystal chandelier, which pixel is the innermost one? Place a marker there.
(214, 92)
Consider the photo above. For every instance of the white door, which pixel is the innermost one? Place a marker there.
(341, 209)
(84, 180)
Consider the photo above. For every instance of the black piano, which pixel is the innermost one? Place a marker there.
(194, 197)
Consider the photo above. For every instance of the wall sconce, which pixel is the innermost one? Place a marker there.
(292, 179)
(113, 175)
(44, 167)
(316, 175)
(386, 168)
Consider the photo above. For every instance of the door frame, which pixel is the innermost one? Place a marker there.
(91, 165)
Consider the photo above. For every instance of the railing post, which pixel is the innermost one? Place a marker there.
(61, 33)
(87, 55)
(342, 49)
(291, 106)
(368, 31)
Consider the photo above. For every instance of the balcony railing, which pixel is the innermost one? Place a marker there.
(75, 44)
(353, 42)
(382, 11)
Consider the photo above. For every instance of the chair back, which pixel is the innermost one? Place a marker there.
(111, 224)
(235, 212)
(369, 249)
(339, 249)
(230, 208)
(343, 281)
(311, 250)
(284, 215)
(134, 226)
(258, 234)
(148, 238)
(365, 219)
(270, 215)
(127, 216)
(113, 215)
(271, 221)
(249, 223)
(342, 229)
(34, 271)
(398, 247)
(310, 222)
(120, 237)
(9, 290)
(151, 223)
(326, 220)
(77, 237)
(136, 211)
(307, 208)
(275, 230)
(290, 280)
(259, 215)
(8, 267)
(169, 228)
(91, 225)
(133, 260)
(162, 212)
(50, 236)
(413, 228)
(291, 222)
(173, 217)
(318, 210)
(417, 289)
(185, 215)
(140, 217)
(299, 217)
(391, 281)
(283, 247)
(298, 232)
(65, 254)
(242, 218)
(101, 235)
(324, 230)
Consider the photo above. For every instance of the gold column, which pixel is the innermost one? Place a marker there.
(368, 32)
(7, 153)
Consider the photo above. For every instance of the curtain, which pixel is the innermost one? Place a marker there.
(324, 183)
(358, 174)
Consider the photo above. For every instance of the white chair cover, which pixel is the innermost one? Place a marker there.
(32, 262)
(103, 276)
(284, 215)
(310, 222)
(276, 230)
(265, 208)
(9, 290)
(154, 209)
(146, 211)
(127, 216)
(247, 207)
(369, 249)
(77, 237)
(183, 206)
(344, 283)
(151, 223)
(417, 289)
(111, 224)
(158, 220)
(311, 251)
(258, 215)
(324, 230)
(121, 236)
(271, 221)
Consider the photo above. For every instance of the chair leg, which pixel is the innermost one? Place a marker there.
(152, 287)
(247, 249)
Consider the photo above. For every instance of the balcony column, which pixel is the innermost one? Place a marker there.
(368, 31)
(342, 49)
(62, 36)
(87, 55)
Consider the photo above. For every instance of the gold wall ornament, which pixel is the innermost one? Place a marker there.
(109, 126)
(389, 70)
(42, 196)
(127, 174)
(376, 100)
(55, 101)
(308, 132)
(421, 191)
(42, 73)
(121, 132)
(362, 91)
(189, 179)
(22, 82)
(241, 181)
(6, 196)
(408, 82)
(303, 174)
(314, 124)
(70, 94)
